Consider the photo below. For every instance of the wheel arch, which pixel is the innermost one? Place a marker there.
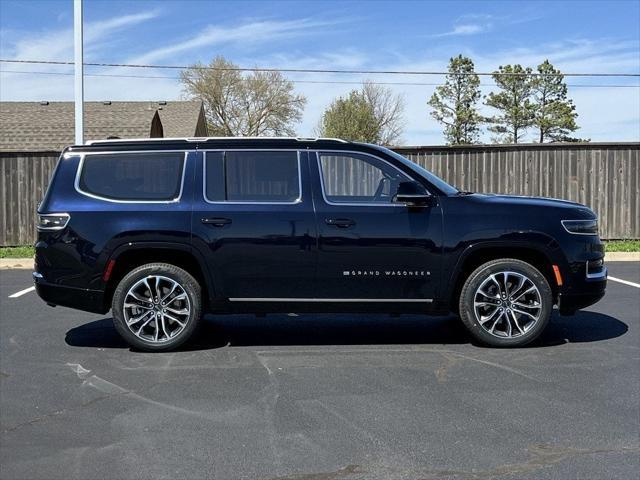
(478, 254)
(131, 255)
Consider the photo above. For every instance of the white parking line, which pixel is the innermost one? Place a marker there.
(22, 292)
(626, 282)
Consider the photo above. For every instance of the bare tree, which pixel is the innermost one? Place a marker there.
(237, 104)
(388, 110)
(371, 114)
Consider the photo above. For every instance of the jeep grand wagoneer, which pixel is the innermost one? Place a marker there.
(162, 231)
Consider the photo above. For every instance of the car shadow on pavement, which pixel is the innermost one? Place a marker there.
(583, 327)
(348, 329)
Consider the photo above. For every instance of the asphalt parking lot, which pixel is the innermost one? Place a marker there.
(320, 397)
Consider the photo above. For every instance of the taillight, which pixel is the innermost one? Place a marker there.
(52, 221)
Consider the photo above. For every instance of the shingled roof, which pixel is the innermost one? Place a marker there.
(49, 126)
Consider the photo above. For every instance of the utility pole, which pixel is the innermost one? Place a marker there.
(79, 74)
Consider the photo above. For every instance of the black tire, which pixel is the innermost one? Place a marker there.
(193, 301)
(532, 329)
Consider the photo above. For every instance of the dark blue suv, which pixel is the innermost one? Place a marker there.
(163, 231)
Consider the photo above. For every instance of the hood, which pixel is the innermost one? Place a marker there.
(524, 201)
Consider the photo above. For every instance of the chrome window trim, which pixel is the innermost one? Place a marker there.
(355, 204)
(52, 229)
(111, 152)
(332, 300)
(237, 202)
(579, 220)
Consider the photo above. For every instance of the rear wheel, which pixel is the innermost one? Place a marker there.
(157, 307)
(506, 303)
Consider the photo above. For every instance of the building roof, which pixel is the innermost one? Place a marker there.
(49, 126)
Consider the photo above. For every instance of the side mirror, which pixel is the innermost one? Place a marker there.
(412, 193)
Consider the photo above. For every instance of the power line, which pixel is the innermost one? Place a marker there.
(330, 82)
(314, 70)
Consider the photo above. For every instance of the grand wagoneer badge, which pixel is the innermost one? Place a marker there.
(386, 273)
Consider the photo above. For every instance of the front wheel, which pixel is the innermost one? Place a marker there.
(506, 303)
(157, 307)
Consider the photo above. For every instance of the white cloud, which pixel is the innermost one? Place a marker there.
(475, 23)
(247, 33)
(58, 44)
(468, 29)
(470, 24)
(464, 29)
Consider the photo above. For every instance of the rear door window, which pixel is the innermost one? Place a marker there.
(147, 176)
(252, 176)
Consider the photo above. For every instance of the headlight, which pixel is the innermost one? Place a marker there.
(581, 227)
(52, 221)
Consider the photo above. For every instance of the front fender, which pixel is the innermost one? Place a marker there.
(530, 242)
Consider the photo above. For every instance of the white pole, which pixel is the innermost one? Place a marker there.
(79, 78)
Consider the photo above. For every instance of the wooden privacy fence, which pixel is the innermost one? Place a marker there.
(23, 181)
(603, 176)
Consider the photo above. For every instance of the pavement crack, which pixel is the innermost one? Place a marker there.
(33, 421)
(269, 403)
(543, 456)
(343, 473)
(497, 365)
(442, 372)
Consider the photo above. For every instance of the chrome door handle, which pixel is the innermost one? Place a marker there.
(340, 222)
(216, 222)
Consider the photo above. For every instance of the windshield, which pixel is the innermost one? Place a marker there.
(434, 179)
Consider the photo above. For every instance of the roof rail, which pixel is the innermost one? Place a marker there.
(316, 139)
(204, 139)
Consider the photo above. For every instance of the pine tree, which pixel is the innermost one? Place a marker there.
(555, 115)
(513, 101)
(455, 103)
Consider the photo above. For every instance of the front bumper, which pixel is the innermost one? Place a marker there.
(78, 298)
(591, 289)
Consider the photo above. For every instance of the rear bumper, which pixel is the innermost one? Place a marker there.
(78, 298)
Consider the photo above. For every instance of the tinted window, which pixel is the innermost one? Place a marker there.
(252, 176)
(353, 178)
(133, 176)
(435, 180)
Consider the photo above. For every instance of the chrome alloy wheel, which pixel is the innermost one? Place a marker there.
(507, 304)
(156, 309)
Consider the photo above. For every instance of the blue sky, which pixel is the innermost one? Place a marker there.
(576, 36)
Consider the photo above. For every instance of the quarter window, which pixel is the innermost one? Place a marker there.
(252, 176)
(354, 178)
(148, 176)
